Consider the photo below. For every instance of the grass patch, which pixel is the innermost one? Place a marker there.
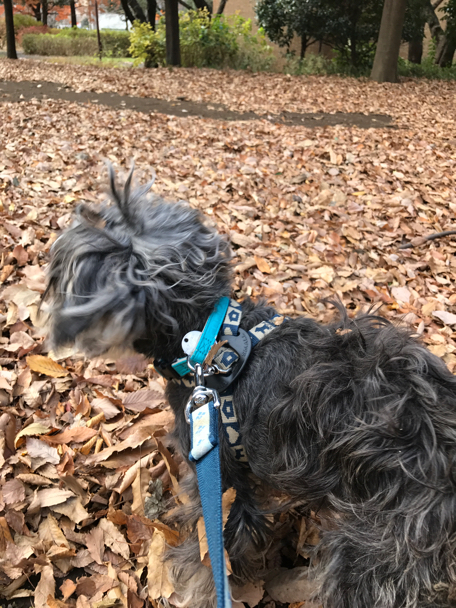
(107, 62)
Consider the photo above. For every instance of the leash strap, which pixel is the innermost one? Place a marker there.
(205, 453)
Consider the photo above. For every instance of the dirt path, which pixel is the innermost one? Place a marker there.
(27, 90)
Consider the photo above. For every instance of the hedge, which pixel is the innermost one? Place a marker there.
(72, 41)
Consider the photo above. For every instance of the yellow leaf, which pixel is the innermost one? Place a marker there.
(359, 193)
(68, 198)
(158, 581)
(46, 366)
(36, 428)
(262, 264)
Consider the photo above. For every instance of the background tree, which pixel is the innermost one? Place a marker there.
(349, 26)
(413, 29)
(444, 39)
(284, 19)
(202, 4)
(221, 7)
(172, 32)
(446, 48)
(151, 12)
(9, 25)
(74, 22)
(389, 41)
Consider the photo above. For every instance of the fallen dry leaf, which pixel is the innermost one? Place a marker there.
(158, 581)
(45, 587)
(447, 317)
(46, 366)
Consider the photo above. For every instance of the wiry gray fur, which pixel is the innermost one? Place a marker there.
(360, 423)
(126, 272)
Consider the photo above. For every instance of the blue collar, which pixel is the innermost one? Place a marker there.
(207, 339)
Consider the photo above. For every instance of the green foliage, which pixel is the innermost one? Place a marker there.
(426, 69)
(74, 41)
(349, 26)
(317, 64)
(217, 42)
(449, 11)
(20, 22)
(415, 20)
(284, 19)
(312, 64)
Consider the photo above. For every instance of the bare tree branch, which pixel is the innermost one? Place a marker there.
(420, 240)
(436, 4)
(185, 5)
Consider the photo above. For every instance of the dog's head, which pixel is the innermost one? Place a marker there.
(137, 273)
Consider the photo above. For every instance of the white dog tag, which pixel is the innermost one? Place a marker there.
(190, 342)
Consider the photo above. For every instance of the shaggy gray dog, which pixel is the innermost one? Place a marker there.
(356, 418)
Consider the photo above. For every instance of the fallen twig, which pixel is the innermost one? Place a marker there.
(419, 240)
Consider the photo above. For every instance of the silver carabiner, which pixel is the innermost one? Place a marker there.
(201, 394)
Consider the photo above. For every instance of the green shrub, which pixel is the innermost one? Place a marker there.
(20, 22)
(312, 64)
(217, 42)
(34, 29)
(115, 43)
(72, 41)
(426, 69)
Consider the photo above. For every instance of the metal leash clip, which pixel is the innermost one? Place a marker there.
(201, 394)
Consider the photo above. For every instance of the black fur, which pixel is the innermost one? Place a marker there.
(357, 418)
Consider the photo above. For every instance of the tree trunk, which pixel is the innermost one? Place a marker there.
(44, 12)
(221, 7)
(152, 12)
(97, 24)
(137, 11)
(415, 50)
(172, 32)
(303, 46)
(389, 41)
(74, 22)
(9, 25)
(445, 52)
(433, 22)
(36, 8)
(127, 10)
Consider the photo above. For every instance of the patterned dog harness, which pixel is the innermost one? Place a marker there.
(228, 361)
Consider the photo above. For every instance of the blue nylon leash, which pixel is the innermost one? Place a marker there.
(206, 454)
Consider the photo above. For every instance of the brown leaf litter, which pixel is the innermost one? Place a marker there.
(86, 468)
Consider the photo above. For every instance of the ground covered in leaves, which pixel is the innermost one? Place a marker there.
(87, 472)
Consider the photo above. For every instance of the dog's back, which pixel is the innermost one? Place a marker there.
(359, 417)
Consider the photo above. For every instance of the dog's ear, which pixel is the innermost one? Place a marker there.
(91, 217)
